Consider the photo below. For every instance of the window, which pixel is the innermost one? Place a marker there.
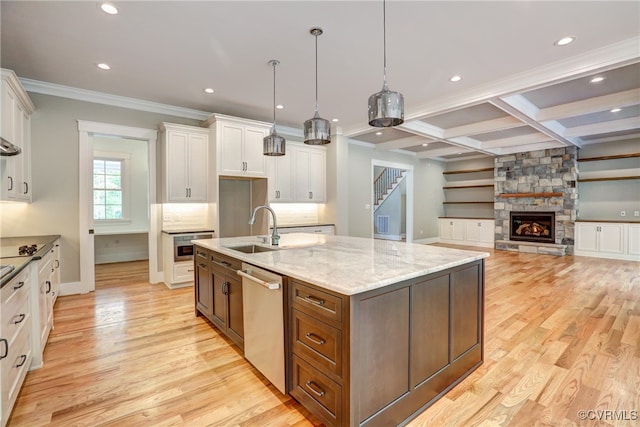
(109, 189)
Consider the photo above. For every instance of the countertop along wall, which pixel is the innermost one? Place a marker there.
(54, 143)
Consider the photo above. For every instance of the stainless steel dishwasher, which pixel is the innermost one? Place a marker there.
(262, 299)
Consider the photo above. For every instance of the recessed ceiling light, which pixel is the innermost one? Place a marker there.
(335, 120)
(378, 133)
(209, 90)
(280, 107)
(597, 79)
(565, 41)
(104, 66)
(109, 8)
(455, 78)
(425, 144)
(615, 110)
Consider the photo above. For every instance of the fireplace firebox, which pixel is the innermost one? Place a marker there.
(533, 226)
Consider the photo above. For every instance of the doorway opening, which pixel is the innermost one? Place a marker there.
(119, 220)
(392, 201)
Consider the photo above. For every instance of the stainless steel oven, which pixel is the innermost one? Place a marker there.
(183, 248)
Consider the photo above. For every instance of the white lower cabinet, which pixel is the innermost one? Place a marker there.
(608, 240)
(15, 339)
(466, 231)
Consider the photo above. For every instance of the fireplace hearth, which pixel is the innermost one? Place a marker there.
(532, 226)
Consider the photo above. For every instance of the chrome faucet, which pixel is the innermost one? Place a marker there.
(275, 238)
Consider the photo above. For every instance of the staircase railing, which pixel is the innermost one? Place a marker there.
(385, 182)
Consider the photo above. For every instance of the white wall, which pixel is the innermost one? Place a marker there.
(54, 141)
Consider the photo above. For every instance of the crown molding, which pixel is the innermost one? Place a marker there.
(69, 92)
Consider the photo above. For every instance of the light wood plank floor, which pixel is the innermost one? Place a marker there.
(562, 335)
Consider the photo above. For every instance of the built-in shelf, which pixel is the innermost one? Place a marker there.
(613, 157)
(467, 186)
(509, 195)
(614, 178)
(466, 203)
(468, 171)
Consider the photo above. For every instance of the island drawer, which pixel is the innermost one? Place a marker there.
(317, 343)
(315, 302)
(225, 261)
(316, 392)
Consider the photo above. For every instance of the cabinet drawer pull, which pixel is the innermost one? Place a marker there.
(314, 388)
(314, 300)
(10, 183)
(20, 319)
(202, 265)
(202, 254)
(48, 286)
(18, 286)
(314, 338)
(26, 188)
(5, 348)
(23, 358)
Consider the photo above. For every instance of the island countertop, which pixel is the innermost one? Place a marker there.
(348, 265)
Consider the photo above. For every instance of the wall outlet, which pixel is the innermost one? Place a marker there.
(636, 213)
(623, 213)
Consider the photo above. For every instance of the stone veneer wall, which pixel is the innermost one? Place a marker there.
(542, 171)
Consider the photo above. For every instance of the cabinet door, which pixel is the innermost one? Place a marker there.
(472, 230)
(230, 149)
(587, 236)
(280, 179)
(9, 165)
(633, 239)
(254, 159)
(197, 168)
(219, 282)
(204, 289)
(317, 175)
(176, 166)
(446, 229)
(235, 324)
(612, 238)
(301, 175)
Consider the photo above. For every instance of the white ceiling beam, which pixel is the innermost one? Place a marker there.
(604, 127)
(411, 141)
(430, 154)
(592, 105)
(513, 141)
(521, 108)
(502, 123)
(532, 147)
(422, 129)
(635, 135)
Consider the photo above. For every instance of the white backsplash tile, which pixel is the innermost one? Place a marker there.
(296, 213)
(185, 215)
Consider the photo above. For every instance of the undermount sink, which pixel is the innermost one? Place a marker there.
(251, 249)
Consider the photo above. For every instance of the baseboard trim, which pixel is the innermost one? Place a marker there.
(467, 243)
(72, 288)
(622, 257)
(427, 241)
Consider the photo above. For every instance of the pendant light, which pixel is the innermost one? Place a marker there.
(386, 108)
(317, 131)
(273, 144)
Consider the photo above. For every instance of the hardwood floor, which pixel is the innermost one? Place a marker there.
(562, 335)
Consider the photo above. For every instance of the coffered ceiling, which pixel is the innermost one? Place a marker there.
(519, 91)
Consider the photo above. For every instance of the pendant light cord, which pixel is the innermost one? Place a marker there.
(316, 36)
(384, 40)
(274, 95)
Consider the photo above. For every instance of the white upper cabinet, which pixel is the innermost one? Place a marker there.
(239, 146)
(309, 174)
(281, 177)
(16, 128)
(185, 163)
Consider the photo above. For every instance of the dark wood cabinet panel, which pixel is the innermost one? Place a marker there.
(317, 392)
(429, 331)
(465, 303)
(383, 350)
(235, 328)
(316, 302)
(203, 288)
(219, 282)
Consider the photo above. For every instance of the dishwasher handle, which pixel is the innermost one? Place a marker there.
(268, 285)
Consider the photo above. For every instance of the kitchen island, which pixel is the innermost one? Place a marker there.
(376, 331)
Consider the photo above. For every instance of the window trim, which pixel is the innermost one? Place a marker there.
(125, 160)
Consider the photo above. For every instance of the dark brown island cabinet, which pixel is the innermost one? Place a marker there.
(378, 358)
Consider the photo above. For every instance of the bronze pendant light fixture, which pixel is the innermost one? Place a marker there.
(273, 144)
(317, 131)
(386, 108)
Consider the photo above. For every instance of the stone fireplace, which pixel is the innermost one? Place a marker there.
(533, 186)
(532, 226)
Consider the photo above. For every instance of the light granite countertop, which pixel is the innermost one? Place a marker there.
(347, 265)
